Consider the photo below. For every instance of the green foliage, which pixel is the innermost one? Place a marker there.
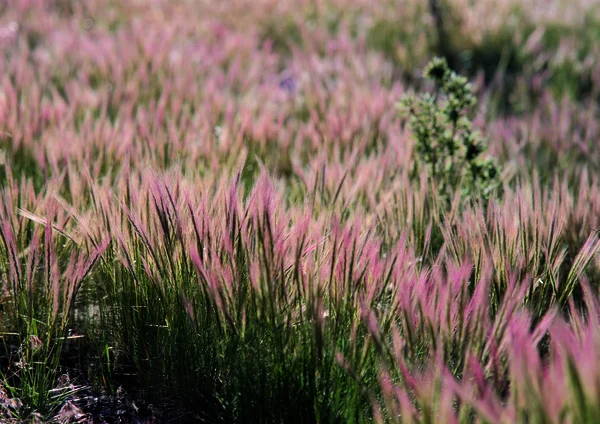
(23, 164)
(283, 33)
(572, 70)
(405, 47)
(447, 146)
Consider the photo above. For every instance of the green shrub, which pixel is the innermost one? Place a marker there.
(447, 146)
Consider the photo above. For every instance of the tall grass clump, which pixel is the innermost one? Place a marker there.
(226, 304)
(40, 283)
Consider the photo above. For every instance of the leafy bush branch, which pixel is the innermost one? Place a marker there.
(447, 146)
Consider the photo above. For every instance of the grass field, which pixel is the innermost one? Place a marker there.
(312, 211)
